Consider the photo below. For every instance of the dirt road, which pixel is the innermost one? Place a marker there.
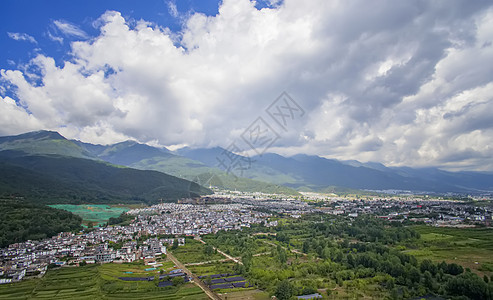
(196, 280)
(236, 260)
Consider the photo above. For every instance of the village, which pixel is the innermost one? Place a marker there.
(160, 226)
(33, 258)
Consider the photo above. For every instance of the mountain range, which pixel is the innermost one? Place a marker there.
(47, 168)
(37, 152)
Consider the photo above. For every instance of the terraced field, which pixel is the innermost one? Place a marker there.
(94, 282)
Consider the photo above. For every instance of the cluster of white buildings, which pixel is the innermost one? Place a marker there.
(102, 245)
(433, 211)
(188, 219)
(121, 243)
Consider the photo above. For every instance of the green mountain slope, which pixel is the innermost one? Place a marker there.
(139, 156)
(43, 142)
(208, 176)
(253, 170)
(145, 157)
(60, 179)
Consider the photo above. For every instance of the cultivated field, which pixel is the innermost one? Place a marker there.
(96, 282)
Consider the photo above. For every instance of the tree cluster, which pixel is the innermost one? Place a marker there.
(347, 252)
(20, 222)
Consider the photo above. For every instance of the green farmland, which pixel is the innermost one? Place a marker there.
(95, 282)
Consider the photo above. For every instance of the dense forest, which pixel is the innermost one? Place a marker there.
(25, 221)
(55, 179)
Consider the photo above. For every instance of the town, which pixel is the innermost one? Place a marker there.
(160, 226)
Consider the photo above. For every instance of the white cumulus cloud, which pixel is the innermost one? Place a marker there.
(403, 83)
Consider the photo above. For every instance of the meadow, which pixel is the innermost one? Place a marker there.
(470, 247)
(194, 252)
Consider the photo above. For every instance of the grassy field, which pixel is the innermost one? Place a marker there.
(95, 282)
(193, 252)
(138, 269)
(246, 295)
(213, 268)
(470, 247)
(97, 214)
(258, 247)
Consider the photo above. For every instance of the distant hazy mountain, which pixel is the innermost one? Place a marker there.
(267, 173)
(145, 157)
(218, 157)
(317, 173)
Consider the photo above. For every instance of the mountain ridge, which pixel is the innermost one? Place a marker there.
(52, 179)
(268, 172)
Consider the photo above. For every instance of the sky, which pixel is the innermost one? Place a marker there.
(404, 83)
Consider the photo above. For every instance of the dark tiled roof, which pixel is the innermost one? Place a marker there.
(222, 286)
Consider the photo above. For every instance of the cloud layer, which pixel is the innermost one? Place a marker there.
(403, 83)
(22, 37)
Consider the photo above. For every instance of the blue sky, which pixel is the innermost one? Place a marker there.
(397, 82)
(36, 18)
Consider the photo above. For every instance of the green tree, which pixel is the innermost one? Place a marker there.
(175, 244)
(413, 274)
(469, 285)
(178, 280)
(428, 265)
(247, 260)
(306, 246)
(238, 268)
(307, 290)
(350, 260)
(282, 237)
(282, 255)
(284, 290)
(208, 250)
(429, 281)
